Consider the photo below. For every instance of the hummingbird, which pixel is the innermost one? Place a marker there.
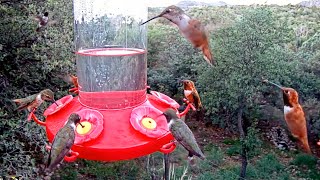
(32, 102)
(191, 93)
(72, 80)
(43, 21)
(294, 115)
(182, 133)
(62, 142)
(190, 28)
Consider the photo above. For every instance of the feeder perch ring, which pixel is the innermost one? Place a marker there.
(168, 148)
(34, 117)
(149, 121)
(53, 108)
(164, 99)
(73, 156)
(93, 126)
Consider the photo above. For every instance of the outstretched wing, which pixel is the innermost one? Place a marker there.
(37, 18)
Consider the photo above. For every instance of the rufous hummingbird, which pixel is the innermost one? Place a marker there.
(294, 115)
(62, 142)
(191, 93)
(32, 102)
(182, 133)
(192, 29)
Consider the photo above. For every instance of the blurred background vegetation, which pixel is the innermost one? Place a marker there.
(280, 43)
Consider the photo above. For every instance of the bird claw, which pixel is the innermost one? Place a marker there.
(189, 105)
(48, 148)
(31, 114)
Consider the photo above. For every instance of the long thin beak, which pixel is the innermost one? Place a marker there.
(277, 85)
(54, 101)
(162, 114)
(150, 20)
(81, 125)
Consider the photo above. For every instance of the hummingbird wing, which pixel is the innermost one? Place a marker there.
(199, 35)
(25, 102)
(61, 145)
(38, 18)
(200, 39)
(196, 99)
(52, 22)
(182, 133)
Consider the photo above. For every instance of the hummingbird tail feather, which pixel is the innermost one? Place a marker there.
(306, 146)
(207, 55)
(17, 101)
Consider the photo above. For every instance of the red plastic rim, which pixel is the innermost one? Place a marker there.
(96, 120)
(111, 52)
(142, 112)
(53, 108)
(165, 99)
(112, 99)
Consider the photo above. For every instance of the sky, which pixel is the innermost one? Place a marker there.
(138, 8)
(162, 3)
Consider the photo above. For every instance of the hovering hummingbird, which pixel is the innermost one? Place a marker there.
(294, 115)
(182, 133)
(32, 102)
(191, 93)
(43, 21)
(192, 29)
(62, 142)
(72, 80)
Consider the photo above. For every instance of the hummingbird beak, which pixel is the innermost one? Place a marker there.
(81, 125)
(162, 114)
(54, 101)
(150, 20)
(277, 85)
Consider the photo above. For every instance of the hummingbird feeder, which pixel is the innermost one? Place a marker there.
(121, 121)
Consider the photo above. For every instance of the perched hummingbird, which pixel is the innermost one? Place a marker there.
(294, 115)
(62, 142)
(182, 133)
(191, 93)
(34, 101)
(190, 28)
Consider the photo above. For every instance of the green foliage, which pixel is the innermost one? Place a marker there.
(307, 166)
(252, 142)
(267, 167)
(246, 51)
(234, 149)
(30, 62)
(278, 43)
(305, 160)
(214, 157)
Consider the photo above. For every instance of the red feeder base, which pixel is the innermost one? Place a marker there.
(114, 134)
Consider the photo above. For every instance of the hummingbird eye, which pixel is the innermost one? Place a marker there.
(168, 10)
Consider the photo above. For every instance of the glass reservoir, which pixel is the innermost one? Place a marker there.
(110, 53)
